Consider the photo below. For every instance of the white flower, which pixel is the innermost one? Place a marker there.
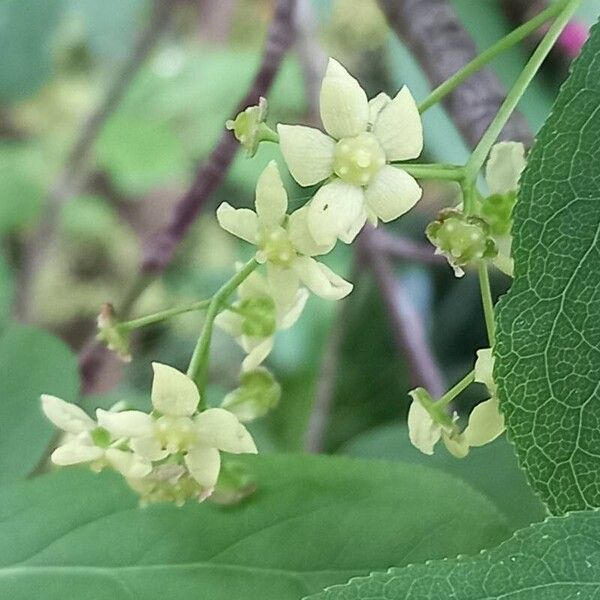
(257, 315)
(283, 241)
(425, 431)
(88, 443)
(503, 170)
(180, 429)
(486, 422)
(364, 137)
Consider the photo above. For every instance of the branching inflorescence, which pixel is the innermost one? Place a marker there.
(173, 453)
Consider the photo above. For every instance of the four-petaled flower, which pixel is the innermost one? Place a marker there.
(177, 428)
(284, 242)
(86, 442)
(257, 315)
(364, 137)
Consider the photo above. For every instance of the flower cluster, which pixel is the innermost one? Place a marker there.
(172, 453)
(428, 422)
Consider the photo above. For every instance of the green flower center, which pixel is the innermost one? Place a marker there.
(358, 159)
(259, 316)
(175, 433)
(276, 246)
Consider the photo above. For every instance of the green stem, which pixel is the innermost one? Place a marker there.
(198, 368)
(513, 38)
(434, 171)
(469, 193)
(488, 304)
(162, 315)
(567, 8)
(455, 390)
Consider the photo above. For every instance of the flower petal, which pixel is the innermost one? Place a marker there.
(334, 212)
(271, 197)
(344, 105)
(376, 105)
(230, 323)
(392, 193)
(204, 464)
(75, 453)
(320, 279)
(424, 434)
(286, 320)
(173, 393)
(301, 238)
(308, 153)
(504, 167)
(399, 129)
(257, 352)
(486, 423)
(255, 285)
(128, 423)
(149, 448)
(484, 367)
(456, 444)
(241, 222)
(221, 429)
(127, 463)
(65, 415)
(284, 286)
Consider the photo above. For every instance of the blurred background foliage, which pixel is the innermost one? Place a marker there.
(58, 58)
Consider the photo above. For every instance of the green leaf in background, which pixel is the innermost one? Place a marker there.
(140, 154)
(491, 469)
(21, 190)
(548, 348)
(314, 521)
(32, 362)
(26, 30)
(555, 560)
(6, 291)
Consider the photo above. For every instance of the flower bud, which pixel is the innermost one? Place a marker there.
(249, 127)
(111, 334)
(235, 484)
(496, 211)
(257, 394)
(461, 239)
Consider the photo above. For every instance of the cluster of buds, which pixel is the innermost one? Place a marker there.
(462, 239)
(111, 334)
(428, 421)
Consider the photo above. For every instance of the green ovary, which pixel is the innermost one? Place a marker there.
(276, 246)
(358, 159)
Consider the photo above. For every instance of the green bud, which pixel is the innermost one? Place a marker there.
(250, 129)
(111, 334)
(496, 211)
(462, 239)
(257, 394)
(259, 316)
(235, 484)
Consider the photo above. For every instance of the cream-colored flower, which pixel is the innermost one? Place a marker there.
(503, 171)
(177, 427)
(364, 137)
(426, 427)
(284, 242)
(258, 315)
(486, 421)
(88, 443)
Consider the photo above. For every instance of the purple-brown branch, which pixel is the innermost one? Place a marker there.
(433, 32)
(407, 324)
(159, 251)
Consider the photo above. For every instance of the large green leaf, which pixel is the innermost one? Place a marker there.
(26, 31)
(548, 349)
(314, 522)
(491, 469)
(557, 559)
(32, 362)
